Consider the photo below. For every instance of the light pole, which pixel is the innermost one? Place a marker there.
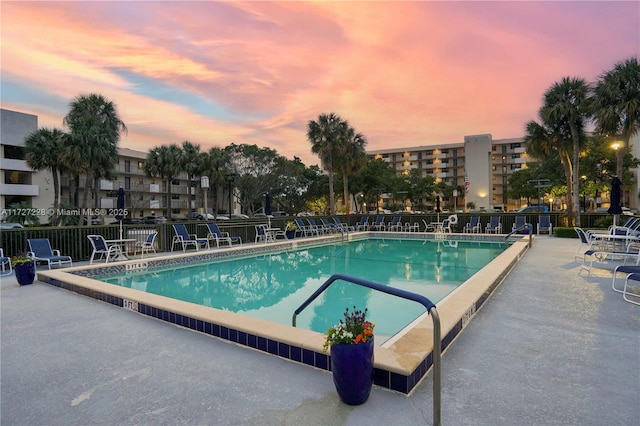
(618, 148)
(230, 178)
(204, 184)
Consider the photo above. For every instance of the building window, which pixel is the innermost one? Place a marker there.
(140, 165)
(419, 156)
(445, 151)
(127, 166)
(17, 177)
(127, 182)
(515, 155)
(515, 145)
(14, 152)
(504, 149)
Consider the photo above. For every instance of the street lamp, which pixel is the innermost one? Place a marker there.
(584, 194)
(618, 148)
(230, 178)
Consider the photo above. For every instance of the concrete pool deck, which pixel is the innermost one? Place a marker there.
(549, 347)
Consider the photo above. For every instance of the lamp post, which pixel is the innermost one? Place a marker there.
(230, 178)
(204, 184)
(617, 147)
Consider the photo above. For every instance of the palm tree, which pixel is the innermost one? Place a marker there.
(215, 166)
(566, 103)
(615, 104)
(164, 161)
(191, 163)
(95, 132)
(543, 142)
(43, 150)
(325, 136)
(352, 159)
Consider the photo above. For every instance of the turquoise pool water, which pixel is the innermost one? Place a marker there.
(271, 286)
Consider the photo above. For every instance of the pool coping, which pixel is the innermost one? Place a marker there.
(399, 366)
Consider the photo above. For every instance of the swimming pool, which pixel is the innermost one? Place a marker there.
(271, 286)
(400, 364)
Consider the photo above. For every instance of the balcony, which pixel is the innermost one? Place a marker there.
(107, 203)
(106, 185)
(154, 187)
(12, 164)
(19, 189)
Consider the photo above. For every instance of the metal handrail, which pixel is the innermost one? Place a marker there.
(431, 308)
(520, 228)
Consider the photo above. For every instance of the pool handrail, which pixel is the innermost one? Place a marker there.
(528, 226)
(431, 308)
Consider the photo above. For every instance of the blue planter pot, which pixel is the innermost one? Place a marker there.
(25, 273)
(352, 368)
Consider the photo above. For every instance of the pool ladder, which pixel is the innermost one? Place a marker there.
(520, 228)
(431, 308)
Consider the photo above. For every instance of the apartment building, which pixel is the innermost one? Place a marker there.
(18, 182)
(485, 163)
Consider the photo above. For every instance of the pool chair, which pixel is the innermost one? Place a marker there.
(363, 225)
(5, 262)
(40, 250)
(304, 228)
(147, 245)
(313, 226)
(544, 224)
(342, 226)
(633, 274)
(264, 235)
(473, 225)
(378, 225)
(520, 222)
(184, 239)
(494, 226)
(218, 236)
(446, 225)
(103, 251)
(395, 224)
(328, 226)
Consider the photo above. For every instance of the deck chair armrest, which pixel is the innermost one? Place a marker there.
(56, 252)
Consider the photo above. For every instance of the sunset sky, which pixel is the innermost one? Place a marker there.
(214, 73)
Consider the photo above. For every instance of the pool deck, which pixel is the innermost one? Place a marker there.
(551, 346)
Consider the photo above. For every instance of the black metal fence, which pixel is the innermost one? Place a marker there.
(73, 241)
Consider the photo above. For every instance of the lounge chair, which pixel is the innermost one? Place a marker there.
(264, 235)
(40, 250)
(378, 225)
(494, 226)
(519, 224)
(313, 226)
(395, 224)
(218, 236)
(363, 225)
(342, 226)
(5, 262)
(328, 226)
(633, 274)
(544, 224)
(103, 251)
(147, 245)
(473, 225)
(184, 239)
(304, 228)
(596, 251)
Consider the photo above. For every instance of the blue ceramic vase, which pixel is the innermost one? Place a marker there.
(352, 368)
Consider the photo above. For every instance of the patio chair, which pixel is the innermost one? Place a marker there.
(520, 222)
(446, 225)
(494, 226)
(328, 226)
(473, 225)
(544, 224)
(184, 239)
(304, 228)
(363, 225)
(147, 245)
(103, 251)
(262, 236)
(633, 274)
(40, 250)
(378, 225)
(317, 229)
(5, 262)
(395, 224)
(218, 236)
(342, 226)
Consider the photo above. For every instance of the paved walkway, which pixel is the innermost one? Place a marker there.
(551, 347)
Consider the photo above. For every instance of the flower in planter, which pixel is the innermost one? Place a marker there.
(291, 226)
(20, 259)
(354, 329)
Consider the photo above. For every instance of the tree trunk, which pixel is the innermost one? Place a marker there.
(345, 190)
(331, 194)
(576, 174)
(56, 196)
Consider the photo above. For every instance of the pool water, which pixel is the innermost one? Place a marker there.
(271, 286)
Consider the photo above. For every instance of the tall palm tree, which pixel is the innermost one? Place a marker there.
(615, 104)
(215, 166)
(566, 102)
(191, 163)
(543, 142)
(43, 151)
(164, 161)
(352, 159)
(325, 136)
(95, 128)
